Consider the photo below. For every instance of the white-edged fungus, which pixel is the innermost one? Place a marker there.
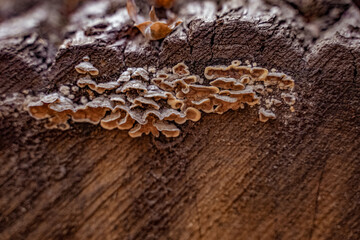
(140, 73)
(111, 121)
(74, 88)
(181, 69)
(99, 88)
(137, 85)
(225, 103)
(236, 62)
(124, 77)
(168, 129)
(118, 98)
(289, 99)
(265, 115)
(227, 83)
(83, 100)
(141, 102)
(276, 102)
(205, 105)
(259, 89)
(65, 90)
(87, 68)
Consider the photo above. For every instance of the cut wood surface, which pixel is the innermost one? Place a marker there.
(226, 176)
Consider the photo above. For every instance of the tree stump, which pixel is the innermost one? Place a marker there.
(226, 176)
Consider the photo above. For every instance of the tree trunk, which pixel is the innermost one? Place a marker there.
(226, 176)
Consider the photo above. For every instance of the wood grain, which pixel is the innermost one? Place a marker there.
(225, 177)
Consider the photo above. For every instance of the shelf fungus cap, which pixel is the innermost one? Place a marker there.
(172, 115)
(54, 107)
(144, 102)
(275, 77)
(62, 104)
(259, 73)
(111, 121)
(86, 81)
(162, 74)
(87, 67)
(227, 83)
(124, 77)
(287, 83)
(221, 99)
(40, 109)
(51, 98)
(259, 89)
(276, 102)
(289, 99)
(89, 115)
(181, 69)
(163, 84)
(156, 95)
(173, 101)
(126, 122)
(153, 88)
(169, 130)
(236, 62)
(102, 87)
(232, 71)
(93, 111)
(137, 114)
(190, 79)
(133, 85)
(224, 103)
(138, 130)
(193, 114)
(197, 92)
(283, 81)
(99, 88)
(118, 98)
(205, 105)
(140, 73)
(265, 115)
(100, 102)
(246, 96)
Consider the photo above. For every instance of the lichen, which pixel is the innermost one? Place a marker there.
(155, 101)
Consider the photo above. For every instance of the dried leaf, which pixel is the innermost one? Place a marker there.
(152, 15)
(153, 29)
(164, 3)
(132, 10)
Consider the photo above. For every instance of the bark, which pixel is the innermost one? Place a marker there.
(227, 176)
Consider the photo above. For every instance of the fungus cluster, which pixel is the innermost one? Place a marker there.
(146, 101)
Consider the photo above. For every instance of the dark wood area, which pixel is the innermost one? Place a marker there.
(226, 176)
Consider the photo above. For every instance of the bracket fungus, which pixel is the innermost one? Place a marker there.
(99, 88)
(85, 67)
(153, 29)
(227, 83)
(289, 99)
(265, 115)
(244, 73)
(155, 102)
(181, 69)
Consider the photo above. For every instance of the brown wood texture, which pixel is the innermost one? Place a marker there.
(227, 176)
